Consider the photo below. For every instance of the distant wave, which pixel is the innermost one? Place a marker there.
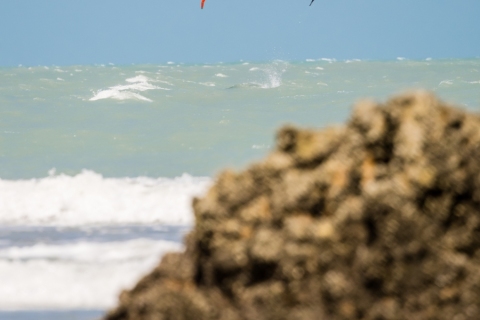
(446, 82)
(90, 199)
(329, 60)
(269, 76)
(129, 91)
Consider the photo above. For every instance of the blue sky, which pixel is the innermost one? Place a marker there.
(64, 32)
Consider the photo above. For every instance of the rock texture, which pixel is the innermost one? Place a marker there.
(378, 219)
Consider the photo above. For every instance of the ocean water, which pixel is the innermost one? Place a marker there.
(99, 163)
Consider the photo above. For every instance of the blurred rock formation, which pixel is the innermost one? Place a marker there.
(378, 219)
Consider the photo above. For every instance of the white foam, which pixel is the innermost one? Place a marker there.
(260, 146)
(118, 95)
(90, 199)
(401, 58)
(207, 84)
(221, 75)
(137, 86)
(474, 82)
(328, 60)
(165, 82)
(140, 79)
(273, 74)
(446, 82)
(129, 91)
(75, 276)
(270, 78)
(310, 60)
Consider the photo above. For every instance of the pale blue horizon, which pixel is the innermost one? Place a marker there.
(122, 32)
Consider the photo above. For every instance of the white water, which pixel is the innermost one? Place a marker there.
(81, 275)
(90, 199)
(272, 74)
(103, 233)
(50, 270)
(128, 91)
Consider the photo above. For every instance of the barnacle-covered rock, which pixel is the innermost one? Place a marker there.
(378, 219)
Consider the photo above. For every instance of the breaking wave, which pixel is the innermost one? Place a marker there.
(267, 77)
(128, 91)
(90, 199)
(82, 275)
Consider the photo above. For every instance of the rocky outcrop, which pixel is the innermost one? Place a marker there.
(378, 219)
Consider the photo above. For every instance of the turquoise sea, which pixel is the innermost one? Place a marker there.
(98, 163)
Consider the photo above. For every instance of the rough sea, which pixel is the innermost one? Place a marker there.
(99, 163)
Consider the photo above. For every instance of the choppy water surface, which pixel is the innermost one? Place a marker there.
(164, 120)
(98, 164)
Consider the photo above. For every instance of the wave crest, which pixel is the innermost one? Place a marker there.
(90, 199)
